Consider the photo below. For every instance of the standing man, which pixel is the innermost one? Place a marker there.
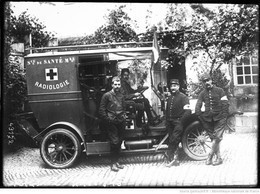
(214, 117)
(130, 93)
(177, 110)
(112, 112)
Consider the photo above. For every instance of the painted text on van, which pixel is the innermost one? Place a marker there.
(52, 86)
(60, 60)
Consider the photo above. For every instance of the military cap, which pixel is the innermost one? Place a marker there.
(206, 76)
(125, 70)
(174, 81)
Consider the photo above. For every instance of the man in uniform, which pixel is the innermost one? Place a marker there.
(214, 117)
(130, 93)
(112, 112)
(177, 110)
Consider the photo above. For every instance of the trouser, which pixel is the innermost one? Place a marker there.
(215, 129)
(175, 131)
(115, 134)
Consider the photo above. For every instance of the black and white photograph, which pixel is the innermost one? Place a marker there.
(130, 95)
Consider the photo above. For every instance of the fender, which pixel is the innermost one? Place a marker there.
(192, 124)
(190, 120)
(67, 125)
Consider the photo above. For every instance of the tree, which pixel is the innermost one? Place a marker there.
(232, 31)
(22, 26)
(14, 85)
(220, 34)
(13, 82)
(117, 29)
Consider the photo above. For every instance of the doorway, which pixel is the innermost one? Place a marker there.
(178, 71)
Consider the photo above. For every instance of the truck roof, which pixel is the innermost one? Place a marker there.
(83, 52)
(123, 47)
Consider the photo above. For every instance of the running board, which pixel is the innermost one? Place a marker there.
(100, 148)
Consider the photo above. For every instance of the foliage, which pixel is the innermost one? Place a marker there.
(140, 69)
(20, 27)
(228, 31)
(120, 29)
(14, 85)
(117, 29)
(219, 80)
(221, 34)
(232, 31)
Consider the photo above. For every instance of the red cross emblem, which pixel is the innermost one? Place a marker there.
(51, 74)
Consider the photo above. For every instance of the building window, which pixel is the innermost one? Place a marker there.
(246, 70)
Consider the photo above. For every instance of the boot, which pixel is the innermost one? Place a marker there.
(175, 161)
(214, 149)
(119, 166)
(169, 158)
(218, 160)
(169, 154)
(114, 167)
(114, 156)
(209, 159)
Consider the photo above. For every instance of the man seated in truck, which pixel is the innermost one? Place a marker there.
(130, 94)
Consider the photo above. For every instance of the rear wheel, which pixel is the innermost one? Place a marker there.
(60, 148)
(196, 142)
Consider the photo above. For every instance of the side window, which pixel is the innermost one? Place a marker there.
(246, 71)
(92, 70)
(96, 71)
(93, 74)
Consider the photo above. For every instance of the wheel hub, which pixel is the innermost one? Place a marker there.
(201, 139)
(60, 148)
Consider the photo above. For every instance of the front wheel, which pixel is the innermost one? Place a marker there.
(196, 142)
(60, 148)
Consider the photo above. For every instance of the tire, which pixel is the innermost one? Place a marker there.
(196, 142)
(60, 148)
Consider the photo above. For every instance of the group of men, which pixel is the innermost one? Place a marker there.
(112, 109)
(113, 103)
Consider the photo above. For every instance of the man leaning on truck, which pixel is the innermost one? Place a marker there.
(112, 112)
(177, 110)
(214, 117)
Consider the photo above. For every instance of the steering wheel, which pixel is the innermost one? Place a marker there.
(141, 93)
(143, 89)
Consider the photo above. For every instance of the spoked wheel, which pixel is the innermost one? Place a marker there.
(196, 142)
(60, 148)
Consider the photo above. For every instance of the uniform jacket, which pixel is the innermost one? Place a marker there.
(112, 105)
(216, 105)
(175, 106)
(127, 90)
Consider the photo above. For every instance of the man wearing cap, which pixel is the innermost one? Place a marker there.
(177, 110)
(214, 117)
(130, 93)
(111, 110)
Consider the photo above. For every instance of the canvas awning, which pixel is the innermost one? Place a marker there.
(129, 55)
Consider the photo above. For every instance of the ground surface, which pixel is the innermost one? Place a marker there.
(25, 168)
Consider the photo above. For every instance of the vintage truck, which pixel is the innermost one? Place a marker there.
(65, 85)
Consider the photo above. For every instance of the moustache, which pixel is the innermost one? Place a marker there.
(208, 85)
